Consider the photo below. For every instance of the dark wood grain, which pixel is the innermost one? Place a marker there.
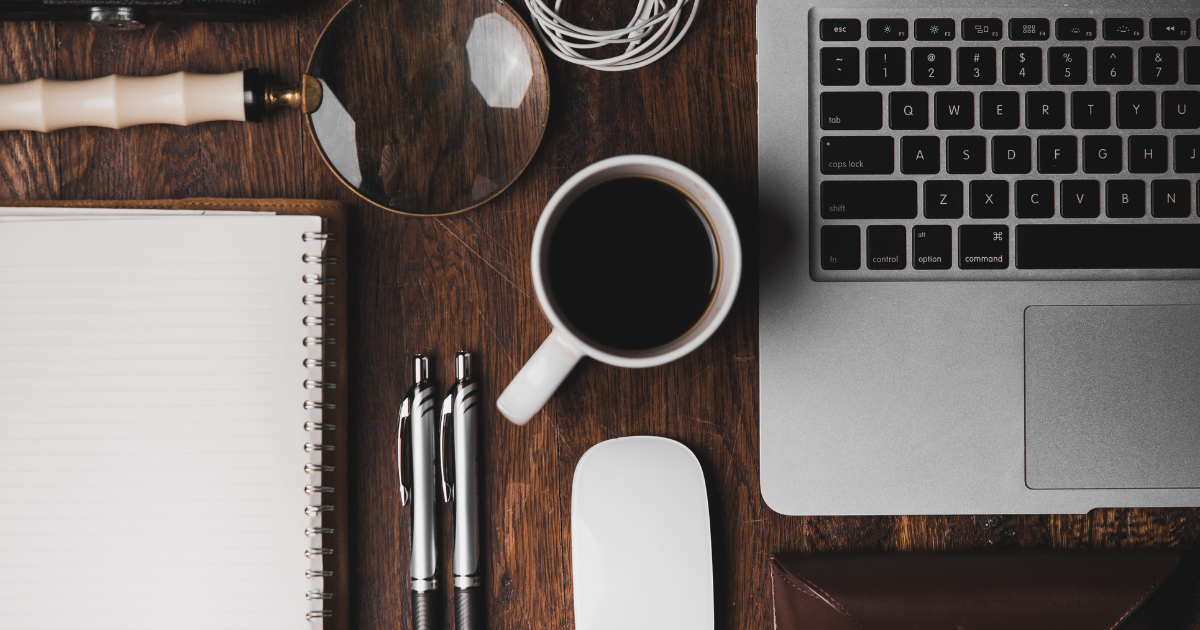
(442, 284)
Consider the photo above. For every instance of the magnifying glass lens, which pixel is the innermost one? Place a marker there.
(429, 106)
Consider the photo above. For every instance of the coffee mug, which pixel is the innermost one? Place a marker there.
(566, 345)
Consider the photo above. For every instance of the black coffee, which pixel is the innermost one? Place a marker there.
(632, 264)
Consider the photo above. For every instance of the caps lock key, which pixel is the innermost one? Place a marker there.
(858, 155)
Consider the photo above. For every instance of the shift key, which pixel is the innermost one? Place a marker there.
(882, 199)
(858, 155)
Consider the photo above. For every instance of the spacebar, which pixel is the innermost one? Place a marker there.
(1162, 246)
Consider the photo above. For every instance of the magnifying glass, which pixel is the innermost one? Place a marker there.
(423, 107)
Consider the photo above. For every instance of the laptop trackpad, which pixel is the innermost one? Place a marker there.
(1112, 397)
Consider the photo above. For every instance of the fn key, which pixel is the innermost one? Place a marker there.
(840, 247)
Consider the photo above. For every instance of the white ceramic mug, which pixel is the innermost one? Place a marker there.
(545, 371)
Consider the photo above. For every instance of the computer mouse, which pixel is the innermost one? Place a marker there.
(641, 548)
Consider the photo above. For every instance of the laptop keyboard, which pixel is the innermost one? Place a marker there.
(1004, 146)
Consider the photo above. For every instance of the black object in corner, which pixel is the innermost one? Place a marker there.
(132, 14)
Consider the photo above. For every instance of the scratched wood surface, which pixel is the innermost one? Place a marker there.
(438, 285)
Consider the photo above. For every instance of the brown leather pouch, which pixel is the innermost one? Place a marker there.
(1007, 590)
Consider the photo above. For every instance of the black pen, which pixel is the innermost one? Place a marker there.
(416, 455)
(460, 484)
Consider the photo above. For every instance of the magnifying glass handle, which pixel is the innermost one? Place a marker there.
(116, 101)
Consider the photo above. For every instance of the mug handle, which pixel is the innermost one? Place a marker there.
(538, 379)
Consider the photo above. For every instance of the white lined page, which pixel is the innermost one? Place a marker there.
(152, 423)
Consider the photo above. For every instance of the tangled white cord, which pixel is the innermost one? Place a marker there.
(654, 30)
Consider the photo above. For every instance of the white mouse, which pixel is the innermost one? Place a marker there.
(641, 548)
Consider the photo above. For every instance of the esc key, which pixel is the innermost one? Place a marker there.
(841, 30)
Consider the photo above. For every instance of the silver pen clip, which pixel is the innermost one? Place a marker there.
(446, 445)
(403, 452)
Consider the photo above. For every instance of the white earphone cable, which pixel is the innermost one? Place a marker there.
(654, 30)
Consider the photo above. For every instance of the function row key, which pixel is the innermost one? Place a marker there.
(992, 29)
(1124, 29)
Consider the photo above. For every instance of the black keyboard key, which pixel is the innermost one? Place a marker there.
(887, 247)
(977, 66)
(932, 247)
(1187, 154)
(1091, 110)
(1147, 154)
(1111, 246)
(920, 155)
(841, 247)
(1136, 110)
(1102, 154)
(983, 247)
(1012, 155)
(989, 199)
(841, 30)
(857, 155)
(931, 66)
(839, 66)
(1126, 198)
(1029, 29)
(1075, 29)
(1022, 66)
(1035, 199)
(1045, 110)
(1171, 198)
(1114, 65)
(1080, 199)
(1170, 28)
(873, 199)
(1123, 28)
(943, 199)
(999, 110)
(1158, 65)
(966, 155)
(851, 110)
(1057, 154)
(934, 29)
(1191, 65)
(908, 110)
(887, 30)
(954, 110)
(1067, 65)
(885, 66)
(982, 29)
(1181, 110)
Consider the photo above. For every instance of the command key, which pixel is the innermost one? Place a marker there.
(983, 247)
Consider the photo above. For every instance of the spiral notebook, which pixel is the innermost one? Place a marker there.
(166, 421)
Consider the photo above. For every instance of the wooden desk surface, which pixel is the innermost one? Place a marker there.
(443, 284)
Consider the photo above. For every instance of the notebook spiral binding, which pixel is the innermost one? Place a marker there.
(315, 488)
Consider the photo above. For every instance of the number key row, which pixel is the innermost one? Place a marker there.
(1021, 65)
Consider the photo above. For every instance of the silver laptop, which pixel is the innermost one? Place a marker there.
(980, 268)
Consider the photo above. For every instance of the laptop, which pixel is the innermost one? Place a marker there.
(980, 256)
